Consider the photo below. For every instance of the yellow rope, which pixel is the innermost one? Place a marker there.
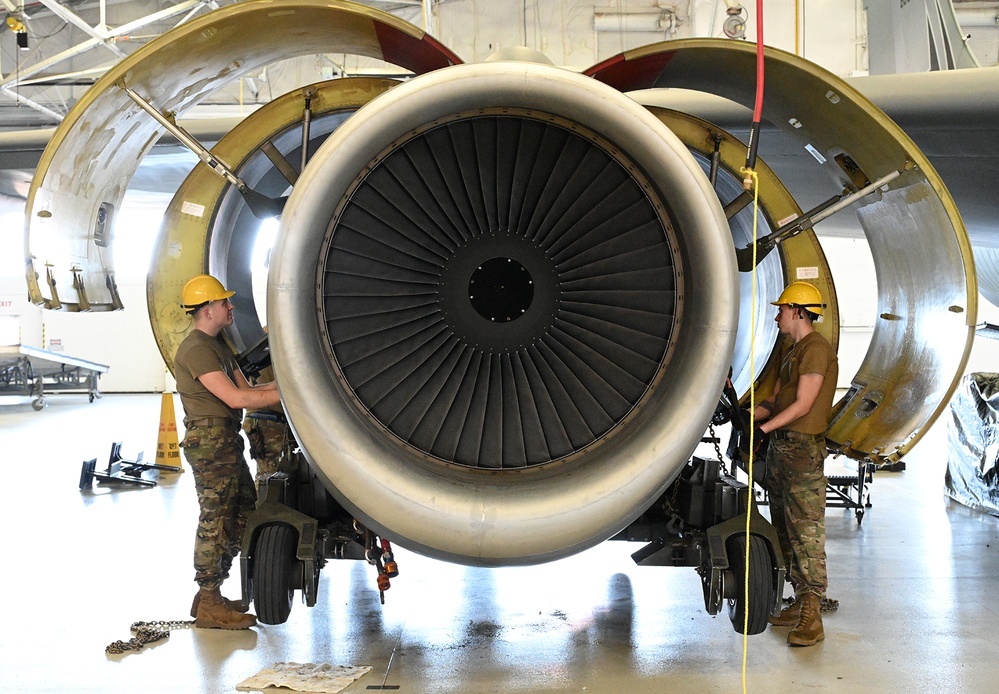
(752, 424)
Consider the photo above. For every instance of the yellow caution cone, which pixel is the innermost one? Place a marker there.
(168, 445)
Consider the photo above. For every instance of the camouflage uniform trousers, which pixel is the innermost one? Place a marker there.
(226, 495)
(269, 446)
(796, 482)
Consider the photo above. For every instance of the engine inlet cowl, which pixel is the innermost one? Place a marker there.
(500, 294)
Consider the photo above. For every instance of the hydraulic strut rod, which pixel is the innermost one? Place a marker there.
(807, 220)
(261, 205)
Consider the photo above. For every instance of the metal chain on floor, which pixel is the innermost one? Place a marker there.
(147, 632)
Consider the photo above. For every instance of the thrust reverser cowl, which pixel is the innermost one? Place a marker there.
(836, 140)
(82, 176)
(502, 302)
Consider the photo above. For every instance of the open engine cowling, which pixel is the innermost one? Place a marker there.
(501, 305)
(494, 436)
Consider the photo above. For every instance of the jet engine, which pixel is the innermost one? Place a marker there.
(502, 307)
(505, 296)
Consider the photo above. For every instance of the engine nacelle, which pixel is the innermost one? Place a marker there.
(501, 305)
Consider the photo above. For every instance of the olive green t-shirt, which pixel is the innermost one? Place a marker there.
(811, 355)
(197, 355)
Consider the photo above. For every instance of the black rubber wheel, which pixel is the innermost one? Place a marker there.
(760, 589)
(275, 569)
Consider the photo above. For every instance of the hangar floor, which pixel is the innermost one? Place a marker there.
(917, 585)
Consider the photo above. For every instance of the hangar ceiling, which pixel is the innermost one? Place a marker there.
(51, 51)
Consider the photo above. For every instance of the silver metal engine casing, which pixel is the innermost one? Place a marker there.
(527, 515)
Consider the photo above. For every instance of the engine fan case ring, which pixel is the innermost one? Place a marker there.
(519, 516)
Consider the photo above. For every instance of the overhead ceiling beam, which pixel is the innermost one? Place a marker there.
(28, 102)
(54, 60)
(77, 77)
(157, 16)
(71, 17)
(103, 37)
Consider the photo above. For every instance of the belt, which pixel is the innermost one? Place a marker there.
(211, 422)
(268, 416)
(788, 435)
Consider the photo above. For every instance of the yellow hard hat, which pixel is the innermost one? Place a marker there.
(202, 289)
(802, 295)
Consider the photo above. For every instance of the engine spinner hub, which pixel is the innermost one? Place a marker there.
(501, 290)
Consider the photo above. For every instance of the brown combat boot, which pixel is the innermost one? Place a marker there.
(231, 604)
(789, 616)
(213, 613)
(809, 630)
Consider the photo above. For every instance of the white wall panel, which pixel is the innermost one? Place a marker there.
(830, 32)
(123, 340)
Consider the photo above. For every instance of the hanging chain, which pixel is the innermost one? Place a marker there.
(147, 632)
(714, 440)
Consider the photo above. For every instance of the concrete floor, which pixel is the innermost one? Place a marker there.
(917, 584)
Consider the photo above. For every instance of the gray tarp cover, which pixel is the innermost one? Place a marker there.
(973, 443)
